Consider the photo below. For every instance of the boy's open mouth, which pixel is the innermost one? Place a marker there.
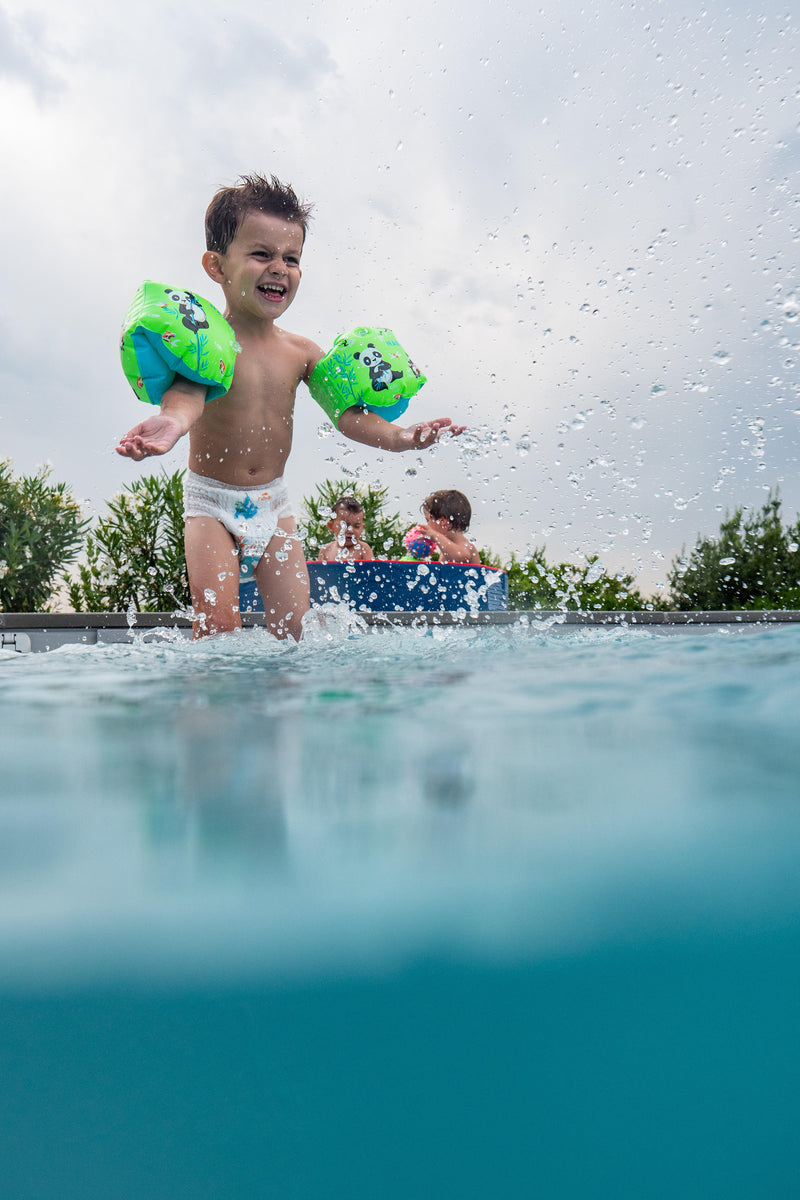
(273, 291)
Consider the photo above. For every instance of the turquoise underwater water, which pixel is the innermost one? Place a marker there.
(412, 913)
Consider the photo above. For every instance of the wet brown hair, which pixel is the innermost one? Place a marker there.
(230, 205)
(452, 505)
(348, 504)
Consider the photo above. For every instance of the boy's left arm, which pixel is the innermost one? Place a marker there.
(362, 425)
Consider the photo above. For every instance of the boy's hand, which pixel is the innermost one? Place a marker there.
(155, 435)
(425, 433)
(181, 405)
(361, 425)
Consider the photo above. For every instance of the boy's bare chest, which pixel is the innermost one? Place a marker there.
(267, 378)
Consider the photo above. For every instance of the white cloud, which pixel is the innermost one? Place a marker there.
(582, 221)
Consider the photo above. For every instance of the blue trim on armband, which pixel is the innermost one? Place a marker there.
(390, 412)
(158, 367)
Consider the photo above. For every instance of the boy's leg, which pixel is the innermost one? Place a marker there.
(213, 565)
(282, 578)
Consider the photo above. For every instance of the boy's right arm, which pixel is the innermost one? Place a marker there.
(181, 405)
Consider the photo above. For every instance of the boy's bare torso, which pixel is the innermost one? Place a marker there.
(245, 436)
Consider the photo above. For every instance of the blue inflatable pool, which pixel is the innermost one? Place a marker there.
(399, 587)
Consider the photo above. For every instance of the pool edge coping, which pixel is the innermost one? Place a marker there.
(13, 622)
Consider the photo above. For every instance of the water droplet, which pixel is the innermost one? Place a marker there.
(727, 562)
(721, 357)
(791, 309)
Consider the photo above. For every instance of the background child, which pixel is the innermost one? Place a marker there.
(347, 527)
(236, 504)
(447, 516)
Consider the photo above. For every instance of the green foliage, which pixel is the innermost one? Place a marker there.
(135, 555)
(383, 533)
(753, 563)
(40, 533)
(535, 583)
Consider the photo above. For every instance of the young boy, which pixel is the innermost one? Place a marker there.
(347, 526)
(447, 517)
(236, 503)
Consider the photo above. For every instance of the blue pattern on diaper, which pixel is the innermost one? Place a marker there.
(245, 508)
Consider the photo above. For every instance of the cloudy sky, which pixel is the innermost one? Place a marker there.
(580, 219)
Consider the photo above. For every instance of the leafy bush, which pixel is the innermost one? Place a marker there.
(753, 563)
(135, 555)
(535, 583)
(383, 533)
(40, 534)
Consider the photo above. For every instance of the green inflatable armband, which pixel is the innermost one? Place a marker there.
(169, 332)
(366, 367)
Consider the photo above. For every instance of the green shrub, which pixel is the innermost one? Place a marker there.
(535, 583)
(754, 563)
(135, 555)
(41, 531)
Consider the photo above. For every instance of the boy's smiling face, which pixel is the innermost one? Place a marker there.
(260, 270)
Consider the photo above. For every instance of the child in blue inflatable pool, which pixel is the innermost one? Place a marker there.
(444, 532)
(236, 505)
(347, 526)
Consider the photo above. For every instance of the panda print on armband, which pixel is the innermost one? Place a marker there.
(189, 308)
(380, 372)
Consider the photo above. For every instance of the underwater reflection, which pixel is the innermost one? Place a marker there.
(495, 787)
(211, 787)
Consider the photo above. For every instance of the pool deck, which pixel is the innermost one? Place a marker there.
(35, 632)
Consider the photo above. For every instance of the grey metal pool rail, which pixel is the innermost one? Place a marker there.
(35, 632)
